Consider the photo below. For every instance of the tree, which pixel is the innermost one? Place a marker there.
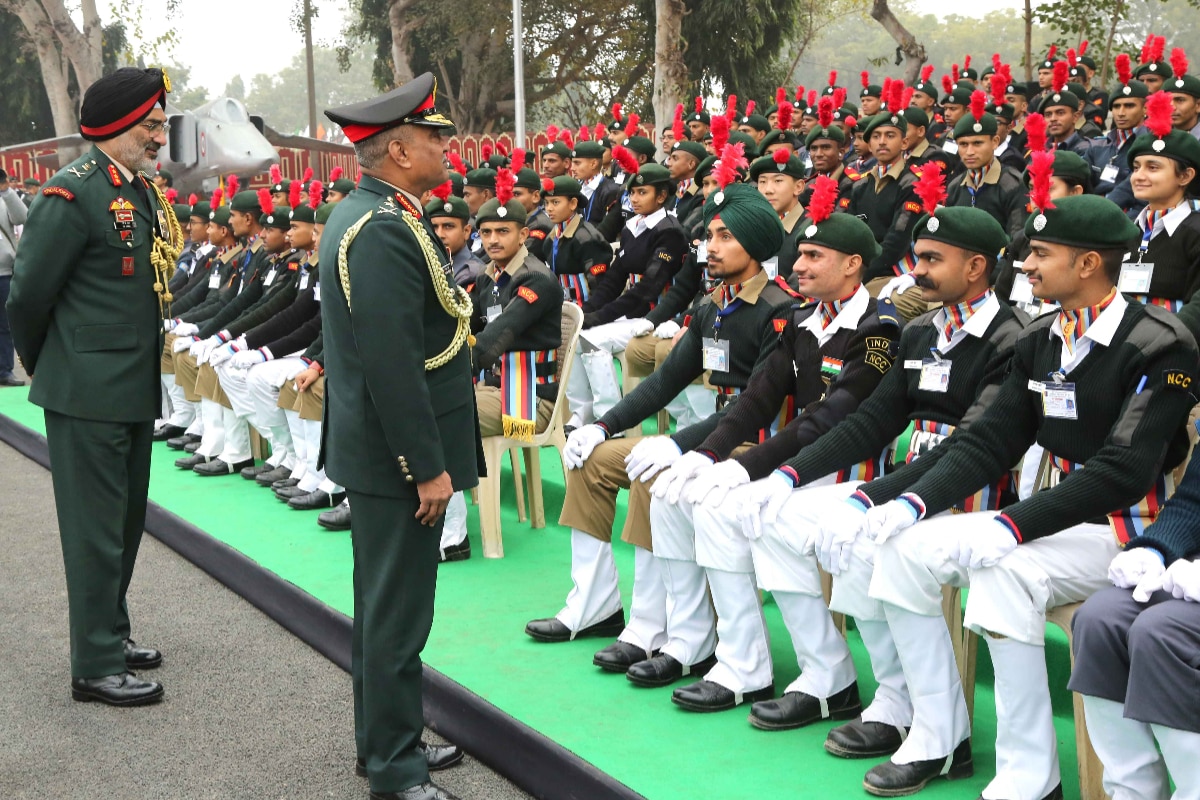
(183, 94)
(236, 88)
(906, 43)
(282, 98)
(24, 106)
(670, 70)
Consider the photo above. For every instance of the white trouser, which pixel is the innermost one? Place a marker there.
(1007, 605)
(300, 470)
(263, 382)
(213, 440)
(594, 592)
(1029, 469)
(183, 413)
(691, 624)
(592, 389)
(647, 627)
(237, 438)
(196, 428)
(694, 404)
(312, 446)
(236, 384)
(1179, 749)
(1133, 768)
(454, 530)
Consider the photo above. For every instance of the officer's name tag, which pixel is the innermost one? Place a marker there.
(492, 312)
(935, 376)
(1109, 174)
(317, 292)
(267, 281)
(214, 280)
(1022, 289)
(950, 147)
(1058, 401)
(716, 355)
(1135, 278)
(702, 253)
(913, 363)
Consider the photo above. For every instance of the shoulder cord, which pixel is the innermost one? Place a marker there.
(164, 254)
(455, 301)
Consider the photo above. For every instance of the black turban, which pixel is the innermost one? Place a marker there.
(117, 102)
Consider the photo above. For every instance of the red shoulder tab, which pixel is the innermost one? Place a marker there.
(114, 177)
(779, 324)
(1029, 208)
(527, 294)
(538, 234)
(913, 207)
(59, 191)
(599, 269)
(844, 202)
(407, 205)
(782, 284)
(915, 169)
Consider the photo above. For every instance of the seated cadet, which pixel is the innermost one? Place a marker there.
(651, 252)
(831, 356)
(824, 145)
(479, 186)
(684, 159)
(339, 187)
(1103, 387)
(574, 250)
(1006, 153)
(1061, 108)
(780, 179)
(972, 336)
(942, 146)
(985, 183)
(1135, 656)
(626, 164)
(600, 193)
(528, 192)
(1108, 156)
(732, 331)
(451, 221)
(556, 157)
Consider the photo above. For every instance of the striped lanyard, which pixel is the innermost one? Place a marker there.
(730, 302)
(829, 311)
(1075, 322)
(957, 315)
(1148, 223)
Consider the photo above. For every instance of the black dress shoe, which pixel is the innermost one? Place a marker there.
(11, 380)
(167, 432)
(797, 709)
(551, 630)
(188, 462)
(250, 473)
(707, 696)
(219, 467)
(286, 483)
(858, 739)
(896, 780)
(269, 476)
(424, 791)
(663, 670)
(456, 552)
(125, 689)
(191, 447)
(140, 657)
(1055, 794)
(286, 493)
(620, 656)
(437, 757)
(180, 442)
(314, 500)
(336, 520)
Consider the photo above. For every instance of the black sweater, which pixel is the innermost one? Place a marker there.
(891, 213)
(656, 255)
(296, 326)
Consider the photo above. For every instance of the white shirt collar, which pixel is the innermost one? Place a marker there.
(1099, 332)
(592, 183)
(650, 220)
(848, 318)
(976, 325)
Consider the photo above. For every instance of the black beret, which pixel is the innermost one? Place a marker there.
(117, 102)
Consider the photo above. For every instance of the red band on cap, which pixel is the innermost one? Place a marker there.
(123, 122)
(356, 133)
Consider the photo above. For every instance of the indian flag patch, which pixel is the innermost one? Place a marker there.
(830, 367)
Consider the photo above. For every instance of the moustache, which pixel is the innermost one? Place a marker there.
(925, 283)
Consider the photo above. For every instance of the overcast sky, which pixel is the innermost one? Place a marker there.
(222, 38)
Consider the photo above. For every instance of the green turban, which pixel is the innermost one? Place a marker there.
(749, 217)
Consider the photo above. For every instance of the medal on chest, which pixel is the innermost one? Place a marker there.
(122, 211)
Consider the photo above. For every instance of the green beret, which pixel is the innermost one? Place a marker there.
(201, 210)
(652, 174)
(705, 168)
(871, 90)
(457, 181)
(962, 226)
(452, 206)
(1135, 89)
(492, 211)
(219, 216)
(1088, 62)
(32, 182)
(1003, 112)
(960, 96)
(641, 145)
(482, 178)
(1063, 98)
(756, 121)
(496, 161)
(1017, 88)
(693, 149)
(1087, 220)
(845, 233)
(1048, 64)
(1160, 68)
(969, 73)
(886, 119)
(165, 175)
(833, 133)
(588, 150)
(528, 179)
(697, 116)
(1184, 84)
(283, 186)
(916, 116)
(559, 149)
(1179, 145)
(280, 218)
(1076, 88)
(749, 217)
(969, 126)
(563, 186)
(323, 212)
(928, 89)
(304, 213)
(745, 139)
(343, 185)
(182, 212)
(246, 201)
(778, 136)
(792, 167)
(1069, 166)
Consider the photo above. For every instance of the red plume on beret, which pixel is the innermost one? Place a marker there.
(502, 149)
(566, 138)
(1179, 62)
(812, 97)
(699, 105)
(616, 112)
(315, 188)
(887, 89)
(1072, 60)
(931, 186)
(551, 133)
(625, 159)
(585, 133)
(833, 77)
(947, 84)
(731, 107)
(171, 195)
(966, 62)
(1147, 46)
(217, 197)
(1041, 170)
(1083, 46)
(443, 191)
(1035, 133)
(1124, 69)
(1052, 52)
(978, 104)
(799, 93)
(308, 173)
(264, 201)
(1060, 75)
(999, 87)
(926, 72)
(825, 112)
(839, 97)
(677, 123)
(1158, 113)
(995, 62)
(518, 159)
(276, 175)
(547, 185)
(720, 132)
(335, 174)
(906, 98)
(631, 129)
(732, 159)
(954, 73)
(823, 200)
(456, 163)
(866, 78)
(485, 153)
(784, 119)
(505, 180)
(781, 155)
(193, 199)
(750, 106)
(780, 97)
(896, 100)
(598, 131)
(1158, 48)
(851, 122)
(294, 194)
(231, 186)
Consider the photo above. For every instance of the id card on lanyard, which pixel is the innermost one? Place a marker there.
(935, 373)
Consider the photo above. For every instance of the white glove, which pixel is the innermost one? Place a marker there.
(186, 329)
(640, 327)
(206, 349)
(670, 484)
(581, 443)
(1129, 567)
(223, 353)
(651, 456)
(762, 501)
(982, 548)
(183, 343)
(667, 330)
(713, 485)
(169, 324)
(897, 286)
(885, 521)
(247, 359)
(1182, 580)
(840, 525)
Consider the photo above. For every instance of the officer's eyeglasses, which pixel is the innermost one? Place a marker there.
(155, 127)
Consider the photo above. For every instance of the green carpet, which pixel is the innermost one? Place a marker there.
(636, 735)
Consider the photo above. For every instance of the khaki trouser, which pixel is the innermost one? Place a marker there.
(645, 354)
(208, 386)
(166, 362)
(910, 303)
(309, 404)
(186, 373)
(487, 399)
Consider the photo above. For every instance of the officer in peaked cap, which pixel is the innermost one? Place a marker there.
(404, 445)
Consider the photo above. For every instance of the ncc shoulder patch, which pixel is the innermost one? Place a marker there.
(879, 353)
(1177, 379)
(780, 325)
(913, 207)
(58, 191)
(537, 234)
(599, 269)
(663, 256)
(844, 202)
(527, 294)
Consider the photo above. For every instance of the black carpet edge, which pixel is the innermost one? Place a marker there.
(531, 760)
